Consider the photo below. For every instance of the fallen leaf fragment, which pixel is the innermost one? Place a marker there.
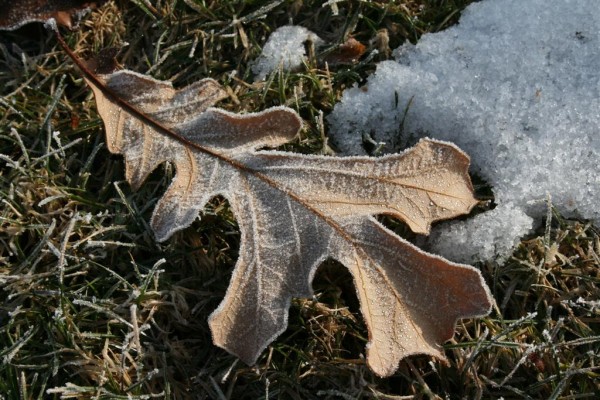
(295, 211)
(348, 52)
(16, 13)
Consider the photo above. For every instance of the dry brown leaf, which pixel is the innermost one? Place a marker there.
(16, 13)
(348, 52)
(295, 211)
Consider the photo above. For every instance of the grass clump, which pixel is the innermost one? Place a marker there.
(93, 308)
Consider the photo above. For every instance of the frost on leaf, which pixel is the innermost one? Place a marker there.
(295, 211)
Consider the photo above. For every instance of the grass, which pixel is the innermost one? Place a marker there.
(93, 308)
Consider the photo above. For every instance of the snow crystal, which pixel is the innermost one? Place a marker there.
(284, 48)
(501, 227)
(517, 86)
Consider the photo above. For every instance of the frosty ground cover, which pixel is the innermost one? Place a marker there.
(93, 307)
(517, 86)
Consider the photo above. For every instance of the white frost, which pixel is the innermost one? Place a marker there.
(517, 86)
(284, 48)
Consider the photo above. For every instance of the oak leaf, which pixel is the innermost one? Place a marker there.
(295, 211)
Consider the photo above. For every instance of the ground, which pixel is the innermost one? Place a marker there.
(93, 307)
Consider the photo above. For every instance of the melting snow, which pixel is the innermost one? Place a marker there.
(516, 84)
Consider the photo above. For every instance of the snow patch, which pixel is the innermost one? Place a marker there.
(501, 227)
(517, 86)
(284, 48)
